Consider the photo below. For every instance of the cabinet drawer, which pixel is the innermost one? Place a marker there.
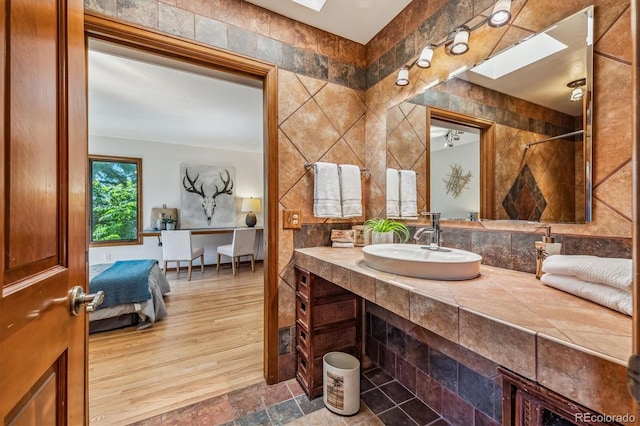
(303, 339)
(303, 283)
(344, 308)
(312, 286)
(339, 339)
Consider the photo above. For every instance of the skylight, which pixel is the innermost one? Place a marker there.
(311, 4)
(521, 55)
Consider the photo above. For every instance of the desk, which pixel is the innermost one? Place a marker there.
(152, 232)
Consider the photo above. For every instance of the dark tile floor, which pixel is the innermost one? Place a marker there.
(384, 402)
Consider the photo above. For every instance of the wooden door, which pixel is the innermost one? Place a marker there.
(43, 157)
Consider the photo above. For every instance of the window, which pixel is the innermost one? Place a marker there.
(116, 187)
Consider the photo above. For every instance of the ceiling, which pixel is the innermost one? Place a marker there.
(356, 20)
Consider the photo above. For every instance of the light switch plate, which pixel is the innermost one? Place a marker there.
(292, 219)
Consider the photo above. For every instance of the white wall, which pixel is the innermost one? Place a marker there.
(467, 156)
(162, 183)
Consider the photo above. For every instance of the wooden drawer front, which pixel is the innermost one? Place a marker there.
(323, 288)
(303, 311)
(328, 313)
(334, 340)
(302, 340)
(303, 283)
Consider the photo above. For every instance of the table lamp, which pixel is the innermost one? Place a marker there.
(251, 205)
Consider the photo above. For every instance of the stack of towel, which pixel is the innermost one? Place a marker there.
(402, 198)
(606, 281)
(337, 190)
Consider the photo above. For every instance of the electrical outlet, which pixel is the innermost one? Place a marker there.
(292, 219)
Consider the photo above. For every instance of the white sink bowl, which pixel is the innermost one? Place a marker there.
(420, 261)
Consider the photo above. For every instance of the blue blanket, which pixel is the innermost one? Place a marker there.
(127, 281)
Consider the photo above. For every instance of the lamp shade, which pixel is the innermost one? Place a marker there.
(251, 205)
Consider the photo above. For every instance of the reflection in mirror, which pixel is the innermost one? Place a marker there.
(540, 112)
(455, 170)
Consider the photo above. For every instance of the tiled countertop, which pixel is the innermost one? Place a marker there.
(570, 345)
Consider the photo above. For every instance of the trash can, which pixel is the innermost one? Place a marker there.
(341, 383)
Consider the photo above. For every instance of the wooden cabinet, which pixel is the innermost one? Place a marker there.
(526, 403)
(328, 319)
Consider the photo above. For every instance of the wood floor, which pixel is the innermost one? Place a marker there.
(210, 343)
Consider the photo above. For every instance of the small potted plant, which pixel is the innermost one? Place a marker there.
(169, 223)
(383, 230)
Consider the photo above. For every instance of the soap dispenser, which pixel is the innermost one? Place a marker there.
(545, 248)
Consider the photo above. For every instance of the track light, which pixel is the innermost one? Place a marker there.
(424, 61)
(577, 92)
(460, 44)
(501, 14)
(457, 43)
(403, 77)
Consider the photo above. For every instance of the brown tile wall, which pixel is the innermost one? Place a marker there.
(334, 94)
(458, 384)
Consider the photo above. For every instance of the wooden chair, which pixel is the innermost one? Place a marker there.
(243, 244)
(177, 247)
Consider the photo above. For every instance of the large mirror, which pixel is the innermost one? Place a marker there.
(528, 108)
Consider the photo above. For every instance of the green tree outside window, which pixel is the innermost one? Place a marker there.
(115, 199)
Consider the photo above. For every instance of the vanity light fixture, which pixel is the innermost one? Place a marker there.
(501, 14)
(457, 43)
(577, 92)
(424, 61)
(460, 43)
(403, 76)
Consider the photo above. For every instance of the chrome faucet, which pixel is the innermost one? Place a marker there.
(433, 230)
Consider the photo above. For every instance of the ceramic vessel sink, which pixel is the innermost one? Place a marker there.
(421, 261)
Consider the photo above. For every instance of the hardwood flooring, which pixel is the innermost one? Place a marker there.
(210, 343)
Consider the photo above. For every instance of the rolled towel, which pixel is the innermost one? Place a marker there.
(615, 272)
(350, 190)
(393, 193)
(602, 294)
(326, 188)
(408, 194)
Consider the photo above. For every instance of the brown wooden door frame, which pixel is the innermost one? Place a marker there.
(487, 153)
(115, 31)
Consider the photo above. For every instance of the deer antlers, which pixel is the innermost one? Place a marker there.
(192, 188)
(226, 189)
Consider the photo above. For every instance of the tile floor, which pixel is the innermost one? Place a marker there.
(384, 402)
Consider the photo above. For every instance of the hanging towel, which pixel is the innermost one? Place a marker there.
(350, 190)
(408, 194)
(326, 187)
(393, 193)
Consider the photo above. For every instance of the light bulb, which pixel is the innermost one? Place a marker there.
(501, 14)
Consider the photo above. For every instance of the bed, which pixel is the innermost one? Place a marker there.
(134, 294)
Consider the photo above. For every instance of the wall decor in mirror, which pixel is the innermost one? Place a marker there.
(530, 105)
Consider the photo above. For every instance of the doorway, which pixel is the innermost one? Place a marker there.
(192, 54)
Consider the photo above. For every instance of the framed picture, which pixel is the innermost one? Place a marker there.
(207, 197)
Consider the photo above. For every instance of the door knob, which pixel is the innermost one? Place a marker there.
(78, 297)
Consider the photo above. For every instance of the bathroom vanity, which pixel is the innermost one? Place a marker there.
(545, 341)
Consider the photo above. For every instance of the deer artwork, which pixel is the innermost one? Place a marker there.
(208, 201)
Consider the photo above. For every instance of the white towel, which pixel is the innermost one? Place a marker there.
(602, 294)
(615, 272)
(393, 193)
(326, 196)
(408, 194)
(350, 190)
